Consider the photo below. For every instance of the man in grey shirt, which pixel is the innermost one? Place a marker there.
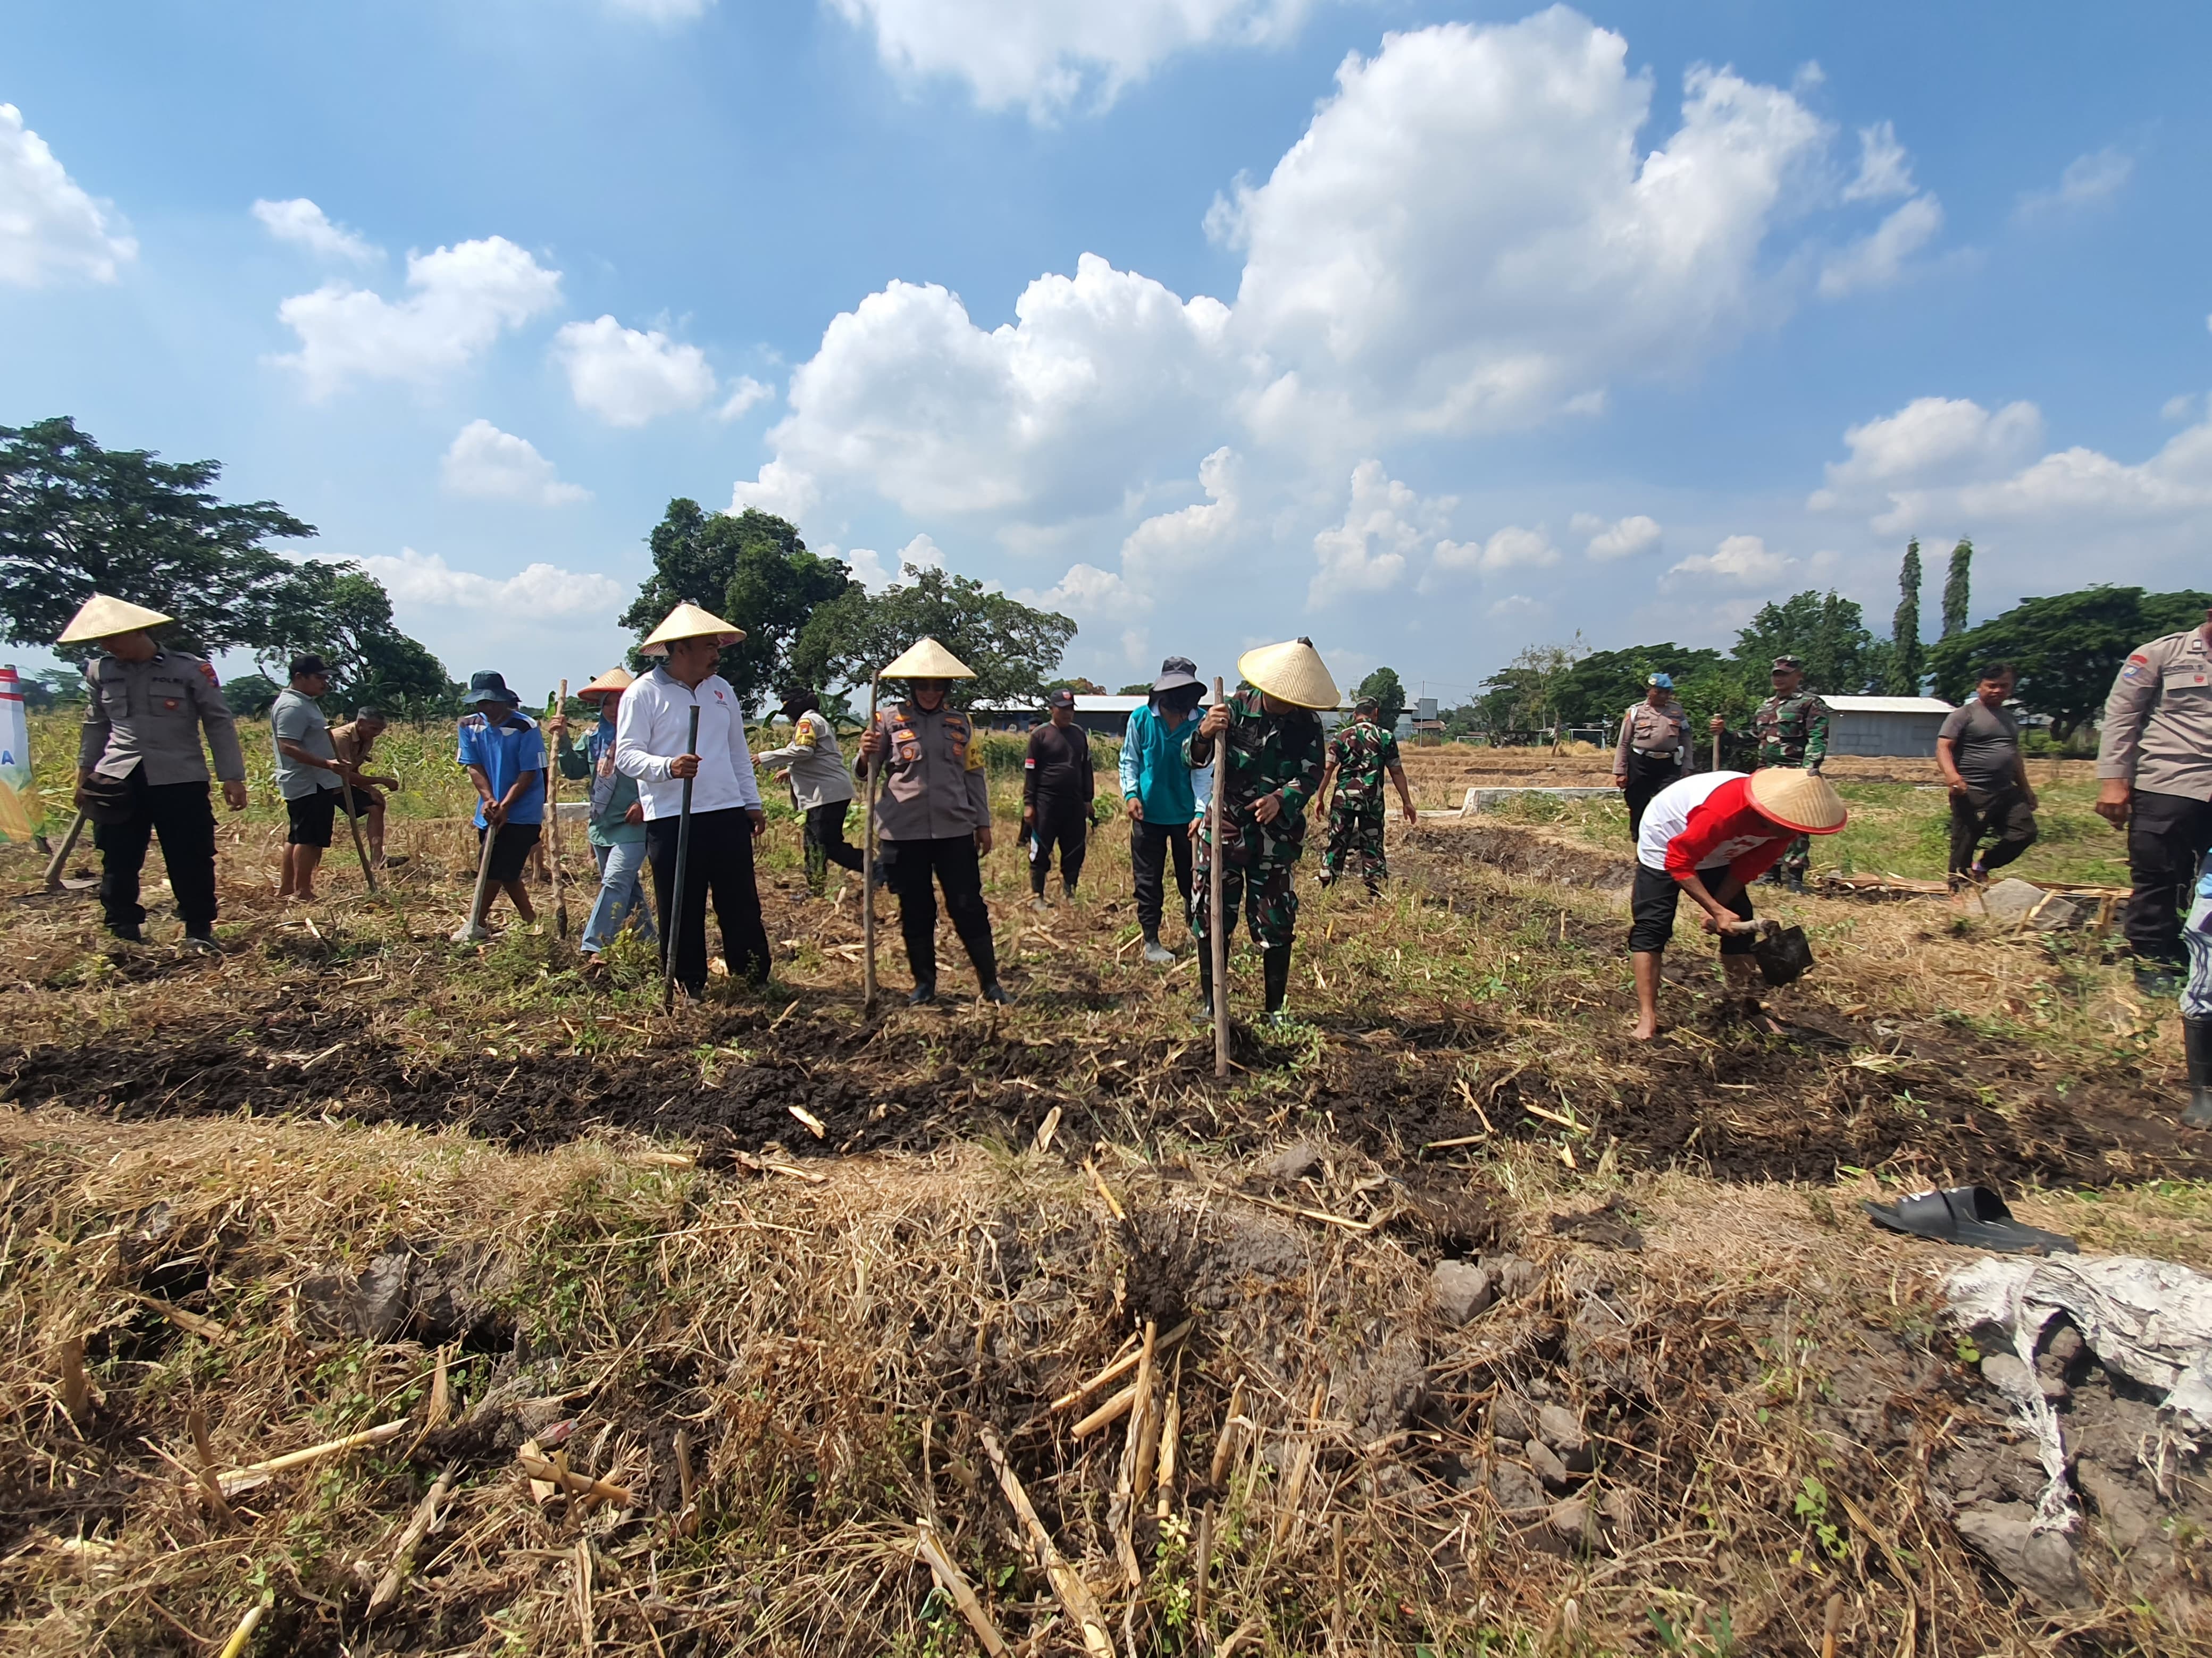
(1978, 749)
(307, 769)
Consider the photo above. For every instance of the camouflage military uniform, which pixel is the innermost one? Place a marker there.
(1792, 730)
(1363, 754)
(1269, 753)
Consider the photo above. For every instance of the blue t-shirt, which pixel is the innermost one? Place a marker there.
(505, 750)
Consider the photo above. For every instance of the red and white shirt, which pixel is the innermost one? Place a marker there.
(1707, 822)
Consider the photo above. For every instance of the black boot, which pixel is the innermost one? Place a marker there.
(2197, 1035)
(1205, 1014)
(1275, 964)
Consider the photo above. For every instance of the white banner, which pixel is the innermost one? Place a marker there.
(20, 810)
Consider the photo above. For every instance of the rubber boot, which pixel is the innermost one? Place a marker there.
(2196, 1034)
(1205, 1014)
(1275, 965)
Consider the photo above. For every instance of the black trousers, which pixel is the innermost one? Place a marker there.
(721, 862)
(1648, 774)
(2168, 837)
(180, 814)
(913, 869)
(1151, 846)
(1063, 820)
(2001, 810)
(1655, 899)
(824, 843)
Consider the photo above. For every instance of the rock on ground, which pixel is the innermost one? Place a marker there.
(1458, 1289)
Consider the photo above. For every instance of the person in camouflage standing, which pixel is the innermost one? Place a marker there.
(1358, 756)
(1792, 730)
(1269, 773)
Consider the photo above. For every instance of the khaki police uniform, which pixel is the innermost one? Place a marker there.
(1653, 752)
(935, 798)
(2157, 737)
(142, 728)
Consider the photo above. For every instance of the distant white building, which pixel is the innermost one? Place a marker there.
(1899, 727)
(1102, 716)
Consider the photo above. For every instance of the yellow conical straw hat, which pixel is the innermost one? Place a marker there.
(613, 680)
(927, 660)
(103, 617)
(1289, 673)
(1802, 800)
(688, 621)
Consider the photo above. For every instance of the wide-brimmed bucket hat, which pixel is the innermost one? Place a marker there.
(1178, 673)
(1291, 672)
(489, 685)
(1800, 801)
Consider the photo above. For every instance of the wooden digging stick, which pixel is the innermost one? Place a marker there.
(1217, 941)
(59, 861)
(553, 828)
(671, 929)
(868, 869)
(359, 849)
(483, 886)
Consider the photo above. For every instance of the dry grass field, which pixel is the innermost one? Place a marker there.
(811, 1295)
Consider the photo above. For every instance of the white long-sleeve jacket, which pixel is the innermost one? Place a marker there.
(649, 732)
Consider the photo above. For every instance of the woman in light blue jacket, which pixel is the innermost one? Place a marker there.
(1164, 798)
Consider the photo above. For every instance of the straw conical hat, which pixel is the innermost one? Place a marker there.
(613, 680)
(688, 621)
(103, 617)
(1802, 800)
(927, 660)
(1289, 673)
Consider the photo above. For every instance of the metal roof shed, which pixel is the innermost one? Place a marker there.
(1901, 728)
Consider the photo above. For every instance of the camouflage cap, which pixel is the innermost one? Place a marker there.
(1367, 702)
(1783, 662)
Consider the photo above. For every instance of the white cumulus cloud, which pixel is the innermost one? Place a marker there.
(491, 464)
(1050, 55)
(627, 376)
(744, 395)
(1168, 546)
(1929, 437)
(1622, 538)
(1743, 559)
(1512, 548)
(1384, 523)
(1885, 169)
(460, 299)
(426, 581)
(303, 224)
(869, 569)
(780, 490)
(50, 230)
(2088, 181)
(1878, 258)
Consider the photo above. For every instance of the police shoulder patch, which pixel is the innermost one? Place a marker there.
(207, 672)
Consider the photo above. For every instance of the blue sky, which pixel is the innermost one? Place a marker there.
(1428, 331)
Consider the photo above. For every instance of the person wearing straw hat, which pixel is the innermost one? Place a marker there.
(617, 820)
(1653, 750)
(1163, 797)
(140, 771)
(821, 787)
(650, 730)
(1360, 756)
(1711, 835)
(504, 754)
(1271, 770)
(933, 824)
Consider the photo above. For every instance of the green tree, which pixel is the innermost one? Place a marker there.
(1080, 685)
(1525, 696)
(77, 518)
(342, 614)
(2067, 649)
(1012, 646)
(1905, 665)
(251, 696)
(1956, 587)
(1389, 694)
(750, 567)
(1142, 687)
(1602, 684)
(61, 687)
(1826, 631)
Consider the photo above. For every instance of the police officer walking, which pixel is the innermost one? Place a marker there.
(934, 819)
(1359, 756)
(821, 787)
(1269, 773)
(1791, 729)
(2155, 779)
(140, 772)
(1653, 750)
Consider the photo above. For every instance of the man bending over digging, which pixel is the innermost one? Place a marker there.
(1711, 836)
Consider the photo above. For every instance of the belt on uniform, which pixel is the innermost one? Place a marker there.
(1656, 754)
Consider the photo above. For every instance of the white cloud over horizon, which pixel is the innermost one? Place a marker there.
(50, 227)
(1623, 538)
(461, 299)
(532, 595)
(629, 376)
(1741, 559)
(489, 465)
(2088, 181)
(303, 224)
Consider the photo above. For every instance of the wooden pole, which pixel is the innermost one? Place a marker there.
(359, 851)
(672, 926)
(60, 860)
(1216, 942)
(553, 827)
(474, 928)
(868, 868)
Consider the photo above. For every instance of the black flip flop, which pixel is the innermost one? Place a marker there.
(1971, 1214)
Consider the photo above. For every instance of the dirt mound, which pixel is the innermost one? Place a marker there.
(1511, 850)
